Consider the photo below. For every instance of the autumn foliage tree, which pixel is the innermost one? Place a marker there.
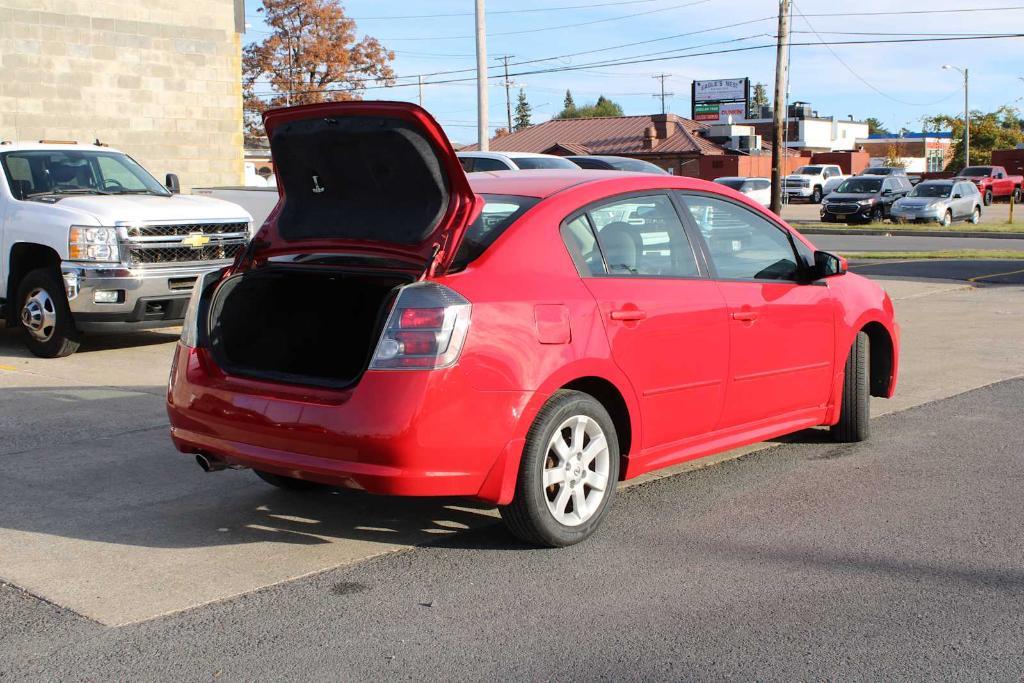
(311, 55)
(999, 129)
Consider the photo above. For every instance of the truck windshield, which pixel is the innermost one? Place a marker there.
(808, 170)
(40, 172)
(976, 171)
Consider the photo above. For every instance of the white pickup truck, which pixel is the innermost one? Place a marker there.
(91, 242)
(813, 182)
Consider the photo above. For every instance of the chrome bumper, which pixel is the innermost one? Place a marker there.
(146, 297)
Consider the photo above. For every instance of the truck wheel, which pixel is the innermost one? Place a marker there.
(988, 197)
(567, 474)
(45, 316)
(855, 409)
(816, 196)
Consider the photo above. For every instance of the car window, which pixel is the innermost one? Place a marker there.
(742, 244)
(643, 236)
(582, 245)
(534, 163)
(762, 184)
(500, 211)
(467, 163)
(485, 164)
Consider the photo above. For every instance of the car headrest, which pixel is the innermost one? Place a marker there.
(619, 247)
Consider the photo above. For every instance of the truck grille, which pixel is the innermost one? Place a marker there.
(157, 244)
(794, 183)
(185, 229)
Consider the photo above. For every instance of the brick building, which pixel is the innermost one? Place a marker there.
(160, 80)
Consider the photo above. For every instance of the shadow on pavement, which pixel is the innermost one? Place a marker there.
(11, 344)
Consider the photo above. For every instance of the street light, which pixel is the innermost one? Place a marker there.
(967, 116)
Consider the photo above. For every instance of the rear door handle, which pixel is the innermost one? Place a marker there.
(745, 316)
(628, 314)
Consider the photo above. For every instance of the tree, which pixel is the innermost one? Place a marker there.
(603, 107)
(875, 126)
(569, 106)
(999, 129)
(894, 156)
(501, 132)
(758, 99)
(311, 55)
(521, 119)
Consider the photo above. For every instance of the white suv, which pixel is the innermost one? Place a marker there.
(813, 182)
(510, 161)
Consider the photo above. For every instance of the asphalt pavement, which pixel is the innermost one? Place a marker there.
(854, 243)
(979, 271)
(899, 558)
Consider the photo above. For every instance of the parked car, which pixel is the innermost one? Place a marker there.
(473, 162)
(939, 201)
(883, 170)
(993, 182)
(864, 199)
(92, 243)
(523, 339)
(758, 189)
(812, 182)
(611, 163)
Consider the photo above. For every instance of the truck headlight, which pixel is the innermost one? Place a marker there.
(87, 243)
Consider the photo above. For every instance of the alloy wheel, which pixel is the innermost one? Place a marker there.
(39, 314)
(576, 470)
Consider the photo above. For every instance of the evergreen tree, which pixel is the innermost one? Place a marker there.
(568, 107)
(521, 118)
(758, 99)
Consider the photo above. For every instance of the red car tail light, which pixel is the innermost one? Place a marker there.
(425, 330)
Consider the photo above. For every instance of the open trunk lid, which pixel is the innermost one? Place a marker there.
(379, 178)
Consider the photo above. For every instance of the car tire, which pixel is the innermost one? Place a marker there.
(816, 196)
(976, 215)
(44, 315)
(877, 215)
(987, 197)
(855, 408)
(289, 483)
(947, 219)
(547, 515)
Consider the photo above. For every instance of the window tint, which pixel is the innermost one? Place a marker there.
(582, 245)
(643, 236)
(499, 212)
(533, 163)
(742, 244)
(467, 163)
(485, 164)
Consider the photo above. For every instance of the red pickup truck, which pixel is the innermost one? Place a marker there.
(994, 182)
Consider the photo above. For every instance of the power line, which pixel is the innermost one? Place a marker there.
(510, 11)
(749, 48)
(861, 78)
(663, 94)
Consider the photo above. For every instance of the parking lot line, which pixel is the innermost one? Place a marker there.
(983, 277)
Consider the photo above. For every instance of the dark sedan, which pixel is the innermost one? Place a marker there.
(609, 163)
(864, 199)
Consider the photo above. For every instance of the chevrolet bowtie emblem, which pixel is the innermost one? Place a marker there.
(196, 240)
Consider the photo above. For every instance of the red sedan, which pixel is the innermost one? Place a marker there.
(526, 339)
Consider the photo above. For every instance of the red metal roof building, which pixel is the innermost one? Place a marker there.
(670, 141)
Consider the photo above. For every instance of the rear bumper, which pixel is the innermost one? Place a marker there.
(146, 297)
(403, 433)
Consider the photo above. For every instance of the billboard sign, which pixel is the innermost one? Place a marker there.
(722, 90)
(720, 99)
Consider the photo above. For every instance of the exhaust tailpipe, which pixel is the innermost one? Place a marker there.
(210, 463)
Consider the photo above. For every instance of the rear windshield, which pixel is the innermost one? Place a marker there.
(733, 183)
(533, 163)
(500, 211)
(930, 190)
(808, 170)
(860, 185)
(976, 171)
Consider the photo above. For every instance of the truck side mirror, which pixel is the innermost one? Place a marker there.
(172, 183)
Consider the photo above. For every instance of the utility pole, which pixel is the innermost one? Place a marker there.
(508, 96)
(967, 115)
(481, 77)
(778, 115)
(663, 94)
(419, 82)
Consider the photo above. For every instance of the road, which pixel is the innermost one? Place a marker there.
(899, 558)
(854, 243)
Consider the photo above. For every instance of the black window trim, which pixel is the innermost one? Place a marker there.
(702, 271)
(803, 267)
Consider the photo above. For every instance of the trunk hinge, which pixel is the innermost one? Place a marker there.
(431, 268)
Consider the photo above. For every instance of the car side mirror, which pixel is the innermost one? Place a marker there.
(886, 193)
(172, 183)
(958, 196)
(827, 264)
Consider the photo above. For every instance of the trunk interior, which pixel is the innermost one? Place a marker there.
(300, 325)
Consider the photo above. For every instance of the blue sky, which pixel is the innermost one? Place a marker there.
(896, 82)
